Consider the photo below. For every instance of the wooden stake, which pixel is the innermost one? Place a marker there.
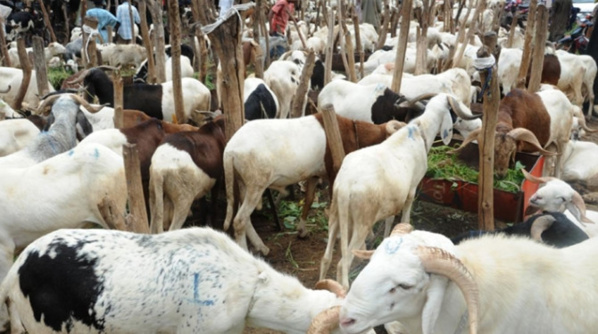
(297, 109)
(397, 76)
(512, 30)
(358, 45)
(258, 55)
(175, 49)
(348, 47)
(90, 42)
(333, 136)
(147, 43)
(41, 74)
(155, 7)
(422, 40)
(541, 29)
(26, 67)
(114, 220)
(118, 99)
(47, 20)
(486, 140)
(470, 32)
(329, 49)
(139, 222)
(527, 46)
(3, 48)
(384, 26)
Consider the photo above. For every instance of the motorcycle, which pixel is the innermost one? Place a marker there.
(577, 40)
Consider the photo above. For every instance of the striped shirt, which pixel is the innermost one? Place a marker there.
(122, 14)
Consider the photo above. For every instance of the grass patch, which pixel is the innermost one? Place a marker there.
(446, 166)
(57, 75)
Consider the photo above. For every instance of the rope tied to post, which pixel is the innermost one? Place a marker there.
(485, 64)
(92, 33)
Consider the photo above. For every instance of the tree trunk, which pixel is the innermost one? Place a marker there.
(26, 66)
(297, 109)
(156, 11)
(147, 42)
(41, 74)
(559, 18)
(138, 222)
(397, 76)
(175, 49)
(528, 46)
(538, 55)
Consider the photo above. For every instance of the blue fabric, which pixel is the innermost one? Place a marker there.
(105, 18)
(122, 14)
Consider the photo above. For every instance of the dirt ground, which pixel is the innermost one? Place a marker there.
(301, 257)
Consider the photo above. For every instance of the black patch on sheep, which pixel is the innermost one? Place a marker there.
(62, 288)
(258, 99)
(143, 97)
(317, 76)
(386, 108)
(562, 233)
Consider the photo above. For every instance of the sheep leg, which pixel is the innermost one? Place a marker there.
(181, 211)
(332, 234)
(310, 189)
(255, 239)
(388, 223)
(406, 214)
(360, 232)
(6, 256)
(242, 222)
(273, 209)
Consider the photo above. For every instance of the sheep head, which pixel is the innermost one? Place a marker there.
(396, 284)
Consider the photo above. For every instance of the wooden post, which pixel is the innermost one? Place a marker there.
(384, 26)
(512, 30)
(422, 40)
(47, 20)
(118, 99)
(114, 220)
(26, 67)
(138, 222)
(3, 48)
(333, 136)
(67, 25)
(329, 49)
(394, 20)
(225, 35)
(460, 35)
(491, 100)
(297, 109)
(348, 48)
(358, 46)
(90, 43)
(41, 74)
(258, 56)
(397, 76)
(448, 17)
(175, 49)
(203, 51)
(527, 46)
(155, 7)
(539, 46)
(469, 34)
(147, 43)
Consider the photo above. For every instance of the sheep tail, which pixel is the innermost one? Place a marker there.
(229, 181)
(156, 189)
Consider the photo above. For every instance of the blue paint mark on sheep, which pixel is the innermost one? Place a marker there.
(96, 153)
(445, 133)
(71, 152)
(392, 246)
(196, 300)
(411, 129)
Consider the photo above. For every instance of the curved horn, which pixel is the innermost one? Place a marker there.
(540, 225)
(6, 91)
(86, 104)
(44, 107)
(438, 261)
(529, 137)
(473, 135)
(577, 200)
(412, 102)
(401, 229)
(535, 179)
(79, 78)
(393, 126)
(326, 321)
(332, 286)
(582, 123)
(108, 68)
(456, 107)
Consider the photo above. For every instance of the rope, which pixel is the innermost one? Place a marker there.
(92, 34)
(226, 15)
(485, 64)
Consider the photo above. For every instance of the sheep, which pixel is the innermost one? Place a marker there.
(189, 284)
(61, 134)
(577, 78)
(373, 103)
(53, 49)
(522, 119)
(155, 100)
(66, 190)
(16, 134)
(380, 181)
(123, 54)
(552, 228)
(259, 100)
(283, 77)
(428, 284)
(13, 77)
(184, 167)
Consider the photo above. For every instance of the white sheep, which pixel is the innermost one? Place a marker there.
(283, 77)
(16, 134)
(188, 281)
(11, 79)
(61, 192)
(53, 49)
(379, 181)
(123, 54)
(497, 284)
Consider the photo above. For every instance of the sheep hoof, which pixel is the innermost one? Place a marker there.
(265, 251)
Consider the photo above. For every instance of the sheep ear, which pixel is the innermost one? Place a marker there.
(363, 254)
(446, 129)
(435, 296)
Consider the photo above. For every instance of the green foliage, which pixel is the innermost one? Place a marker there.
(210, 82)
(290, 212)
(445, 165)
(57, 75)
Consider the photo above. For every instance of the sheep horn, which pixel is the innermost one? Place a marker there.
(578, 202)
(108, 68)
(326, 321)
(44, 108)
(413, 101)
(438, 261)
(79, 78)
(540, 225)
(473, 135)
(402, 229)
(456, 107)
(6, 91)
(529, 137)
(86, 104)
(535, 179)
(332, 286)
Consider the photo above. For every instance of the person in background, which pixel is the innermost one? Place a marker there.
(124, 34)
(279, 18)
(105, 19)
